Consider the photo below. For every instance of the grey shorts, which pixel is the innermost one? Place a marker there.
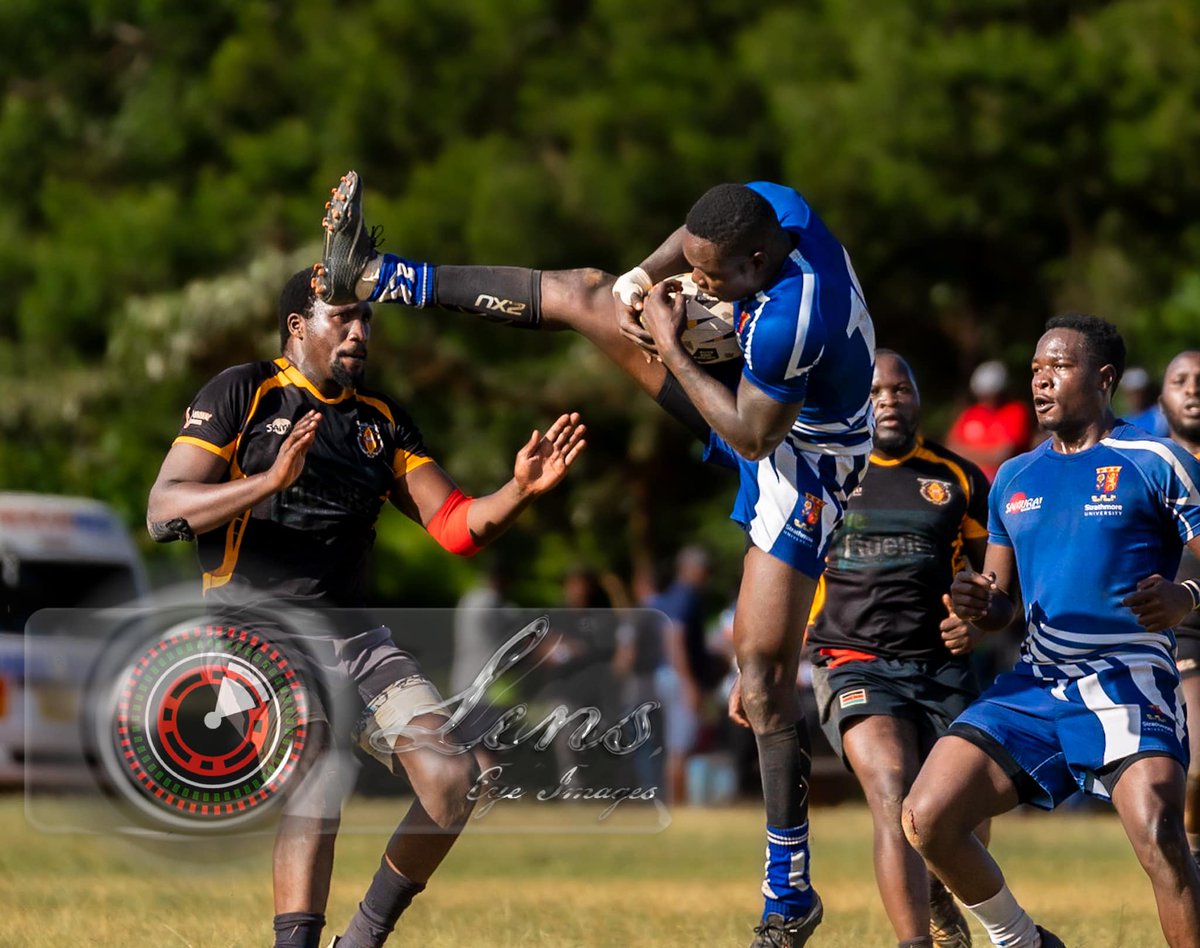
(929, 694)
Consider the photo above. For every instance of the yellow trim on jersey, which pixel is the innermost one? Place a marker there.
(224, 453)
(233, 544)
(233, 540)
(379, 406)
(818, 604)
(293, 376)
(405, 462)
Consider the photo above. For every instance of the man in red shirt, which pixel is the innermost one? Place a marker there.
(993, 429)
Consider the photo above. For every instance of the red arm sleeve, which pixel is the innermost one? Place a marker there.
(449, 525)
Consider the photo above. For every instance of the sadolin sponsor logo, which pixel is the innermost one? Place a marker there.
(195, 418)
(1019, 503)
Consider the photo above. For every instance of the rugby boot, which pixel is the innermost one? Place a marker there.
(349, 249)
(1049, 939)
(778, 932)
(947, 925)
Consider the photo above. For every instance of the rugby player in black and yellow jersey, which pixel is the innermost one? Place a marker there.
(889, 670)
(280, 472)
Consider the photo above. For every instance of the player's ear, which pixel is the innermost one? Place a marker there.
(295, 325)
(1108, 376)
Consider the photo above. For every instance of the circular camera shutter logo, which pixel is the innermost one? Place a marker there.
(210, 726)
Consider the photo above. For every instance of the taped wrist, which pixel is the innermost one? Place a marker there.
(632, 285)
(449, 525)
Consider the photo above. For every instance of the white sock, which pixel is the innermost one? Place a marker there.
(1006, 923)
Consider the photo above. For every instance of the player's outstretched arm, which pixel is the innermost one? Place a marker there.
(464, 524)
(191, 494)
(749, 420)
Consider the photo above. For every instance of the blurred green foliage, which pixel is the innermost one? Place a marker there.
(165, 162)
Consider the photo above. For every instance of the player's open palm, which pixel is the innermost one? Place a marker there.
(289, 463)
(544, 460)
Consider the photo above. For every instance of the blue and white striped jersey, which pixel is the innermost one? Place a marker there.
(1085, 529)
(807, 337)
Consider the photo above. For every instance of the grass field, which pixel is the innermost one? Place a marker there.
(695, 883)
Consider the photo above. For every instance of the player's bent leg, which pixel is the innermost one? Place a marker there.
(958, 787)
(442, 780)
(883, 751)
(1191, 812)
(1148, 796)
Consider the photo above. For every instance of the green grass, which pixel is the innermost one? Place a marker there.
(693, 884)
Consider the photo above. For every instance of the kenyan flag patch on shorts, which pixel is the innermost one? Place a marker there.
(852, 698)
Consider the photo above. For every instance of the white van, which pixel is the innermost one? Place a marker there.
(55, 552)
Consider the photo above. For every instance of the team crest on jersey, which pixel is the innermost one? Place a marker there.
(936, 492)
(1106, 483)
(811, 510)
(370, 442)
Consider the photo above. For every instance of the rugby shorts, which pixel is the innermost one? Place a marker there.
(1054, 737)
(929, 694)
(790, 502)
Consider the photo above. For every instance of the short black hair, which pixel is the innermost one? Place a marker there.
(1103, 339)
(297, 297)
(733, 217)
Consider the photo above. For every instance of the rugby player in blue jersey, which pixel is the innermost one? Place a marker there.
(796, 424)
(1083, 530)
(1180, 403)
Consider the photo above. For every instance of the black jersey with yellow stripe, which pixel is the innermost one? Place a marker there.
(896, 553)
(310, 541)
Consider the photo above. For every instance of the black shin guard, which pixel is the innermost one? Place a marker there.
(675, 402)
(299, 929)
(505, 294)
(785, 760)
(389, 895)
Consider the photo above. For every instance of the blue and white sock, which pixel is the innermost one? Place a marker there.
(403, 281)
(785, 879)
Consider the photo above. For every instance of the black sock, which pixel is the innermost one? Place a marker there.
(505, 294)
(389, 895)
(299, 929)
(675, 402)
(785, 761)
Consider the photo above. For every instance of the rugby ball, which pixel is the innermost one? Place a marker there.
(710, 335)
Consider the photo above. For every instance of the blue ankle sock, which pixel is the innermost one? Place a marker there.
(785, 882)
(403, 281)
